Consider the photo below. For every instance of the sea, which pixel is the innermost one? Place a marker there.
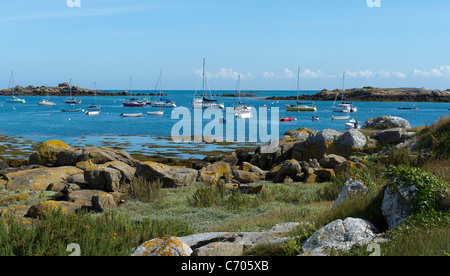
(152, 135)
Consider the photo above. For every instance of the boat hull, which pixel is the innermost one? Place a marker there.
(300, 108)
(71, 110)
(157, 113)
(131, 115)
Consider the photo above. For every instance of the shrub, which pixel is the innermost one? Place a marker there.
(431, 192)
(437, 138)
(146, 191)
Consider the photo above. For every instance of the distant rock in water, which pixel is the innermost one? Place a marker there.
(371, 94)
(63, 89)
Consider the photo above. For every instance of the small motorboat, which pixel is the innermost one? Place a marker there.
(159, 113)
(288, 119)
(70, 110)
(353, 124)
(343, 118)
(92, 112)
(315, 118)
(408, 108)
(127, 115)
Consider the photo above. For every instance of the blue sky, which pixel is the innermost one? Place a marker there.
(400, 44)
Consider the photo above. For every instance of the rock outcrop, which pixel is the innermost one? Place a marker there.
(340, 234)
(170, 177)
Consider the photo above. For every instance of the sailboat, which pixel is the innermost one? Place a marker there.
(242, 110)
(72, 100)
(95, 106)
(300, 106)
(159, 105)
(343, 106)
(14, 99)
(132, 102)
(163, 102)
(46, 102)
(203, 102)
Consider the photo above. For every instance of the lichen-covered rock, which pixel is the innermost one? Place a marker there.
(48, 152)
(318, 144)
(340, 234)
(47, 207)
(167, 246)
(325, 174)
(103, 201)
(350, 142)
(289, 168)
(348, 165)
(170, 177)
(331, 161)
(246, 177)
(216, 171)
(39, 179)
(96, 155)
(113, 176)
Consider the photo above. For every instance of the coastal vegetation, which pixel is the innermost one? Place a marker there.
(240, 192)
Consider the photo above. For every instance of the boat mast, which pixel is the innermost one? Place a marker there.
(11, 82)
(343, 84)
(204, 80)
(298, 82)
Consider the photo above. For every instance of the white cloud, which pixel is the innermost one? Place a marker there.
(224, 73)
(371, 74)
(399, 75)
(442, 71)
(288, 74)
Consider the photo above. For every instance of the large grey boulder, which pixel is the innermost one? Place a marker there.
(386, 122)
(318, 144)
(397, 203)
(350, 142)
(391, 136)
(110, 177)
(352, 189)
(340, 234)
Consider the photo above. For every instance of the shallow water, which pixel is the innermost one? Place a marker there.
(151, 134)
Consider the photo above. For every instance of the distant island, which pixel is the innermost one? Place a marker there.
(372, 94)
(63, 89)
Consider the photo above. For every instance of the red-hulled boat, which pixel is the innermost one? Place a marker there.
(288, 119)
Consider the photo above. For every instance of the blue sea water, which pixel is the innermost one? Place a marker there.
(41, 123)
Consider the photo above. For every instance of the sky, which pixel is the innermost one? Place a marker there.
(399, 44)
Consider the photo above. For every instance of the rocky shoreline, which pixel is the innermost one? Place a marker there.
(371, 94)
(97, 179)
(63, 89)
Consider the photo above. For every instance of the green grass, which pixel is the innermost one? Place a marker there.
(106, 235)
(154, 212)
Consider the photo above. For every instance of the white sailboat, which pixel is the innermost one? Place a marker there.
(14, 99)
(203, 102)
(343, 106)
(163, 102)
(242, 110)
(95, 106)
(159, 113)
(300, 106)
(72, 100)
